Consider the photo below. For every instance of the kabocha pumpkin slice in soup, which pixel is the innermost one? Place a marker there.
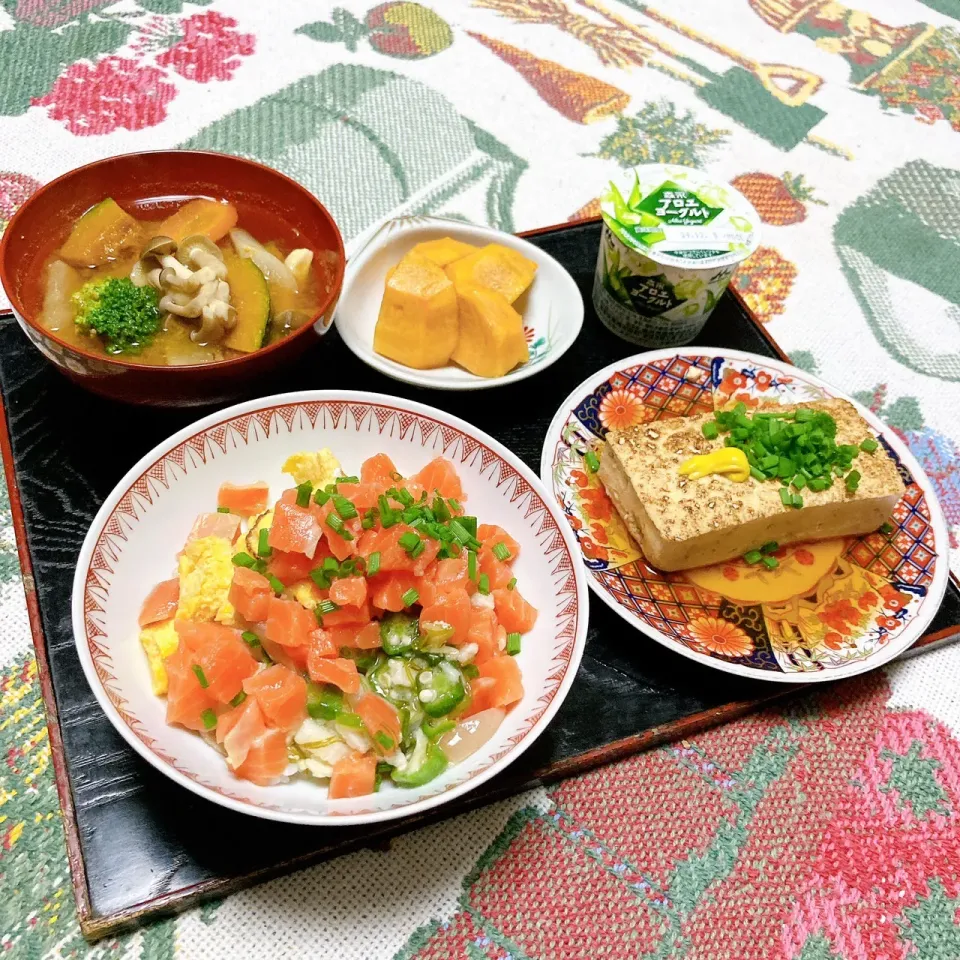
(496, 267)
(100, 235)
(444, 251)
(210, 218)
(491, 333)
(417, 325)
(251, 299)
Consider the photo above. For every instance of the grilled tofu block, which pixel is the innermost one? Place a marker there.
(681, 523)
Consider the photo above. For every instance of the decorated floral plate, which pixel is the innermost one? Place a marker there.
(829, 609)
(552, 308)
(133, 542)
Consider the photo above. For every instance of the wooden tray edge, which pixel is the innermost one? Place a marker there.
(64, 792)
(94, 928)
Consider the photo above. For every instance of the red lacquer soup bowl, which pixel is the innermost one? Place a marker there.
(270, 205)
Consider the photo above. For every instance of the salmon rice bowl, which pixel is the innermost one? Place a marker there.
(355, 630)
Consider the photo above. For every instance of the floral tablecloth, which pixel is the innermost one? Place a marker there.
(829, 829)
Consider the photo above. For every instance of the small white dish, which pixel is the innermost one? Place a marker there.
(134, 539)
(552, 308)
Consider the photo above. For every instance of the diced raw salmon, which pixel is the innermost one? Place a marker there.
(293, 657)
(427, 556)
(358, 636)
(288, 623)
(219, 654)
(378, 469)
(340, 547)
(451, 609)
(483, 695)
(440, 476)
(386, 542)
(513, 611)
(225, 525)
(294, 530)
(498, 574)
(353, 776)
(482, 632)
(250, 594)
(266, 759)
(348, 616)
(238, 728)
(339, 671)
(288, 568)
(161, 602)
(489, 534)
(362, 495)
(388, 590)
(247, 500)
(282, 695)
(505, 672)
(381, 720)
(321, 645)
(349, 591)
(187, 701)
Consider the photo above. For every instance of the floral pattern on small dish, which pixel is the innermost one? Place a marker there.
(828, 606)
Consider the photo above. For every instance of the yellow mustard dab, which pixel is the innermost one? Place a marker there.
(729, 461)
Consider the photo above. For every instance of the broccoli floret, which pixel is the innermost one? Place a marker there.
(124, 315)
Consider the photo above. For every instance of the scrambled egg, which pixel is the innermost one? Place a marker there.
(206, 572)
(305, 593)
(257, 524)
(319, 468)
(159, 640)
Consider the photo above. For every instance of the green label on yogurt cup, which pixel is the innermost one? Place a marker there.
(677, 214)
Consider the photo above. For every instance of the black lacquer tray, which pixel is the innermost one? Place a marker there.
(138, 843)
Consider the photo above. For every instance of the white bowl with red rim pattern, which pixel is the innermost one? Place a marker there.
(830, 609)
(135, 537)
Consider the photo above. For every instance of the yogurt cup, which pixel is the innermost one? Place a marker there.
(672, 239)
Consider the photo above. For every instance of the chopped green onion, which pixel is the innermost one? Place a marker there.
(592, 461)
(200, 675)
(321, 497)
(786, 498)
(770, 546)
(347, 480)
(250, 638)
(369, 519)
(501, 551)
(753, 556)
(852, 480)
(886, 528)
(454, 505)
(472, 565)
(384, 740)
(209, 719)
(470, 670)
(373, 564)
(335, 523)
(388, 516)
(326, 606)
(459, 531)
(238, 699)
(303, 493)
(470, 525)
(348, 567)
(223, 509)
(797, 501)
(242, 559)
(344, 507)
(263, 543)
(275, 584)
(350, 720)
(483, 584)
(513, 643)
(405, 497)
(869, 445)
(771, 563)
(710, 430)
(512, 584)
(320, 578)
(440, 510)
(410, 597)
(409, 541)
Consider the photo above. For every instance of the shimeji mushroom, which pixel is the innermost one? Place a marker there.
(273, 268)
(192, 280)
